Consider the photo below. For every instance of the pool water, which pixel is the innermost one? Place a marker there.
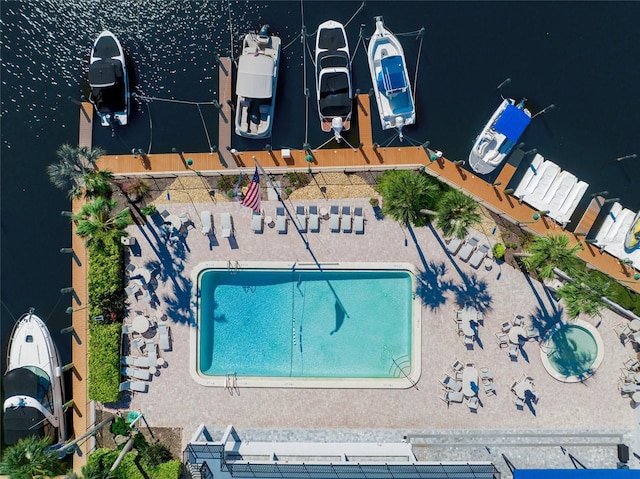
(572, 350)
(289, 323)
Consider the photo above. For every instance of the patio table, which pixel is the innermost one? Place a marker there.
(268, 221)
(515, 333)
(174, 221)
(635, 325)
(144, 273)
(140, 324)
(636, 397)
(470, 381)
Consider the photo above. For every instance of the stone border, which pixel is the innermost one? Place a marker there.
(332, 383)
(594, 366)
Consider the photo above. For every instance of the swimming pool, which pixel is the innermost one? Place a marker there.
(572, 352)
(295, 325)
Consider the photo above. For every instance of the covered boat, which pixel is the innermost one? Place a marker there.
(108, 80)
(390, 79)
(333, 77)
(256, 82)
(632, 238)
(499, 136)
(33, 384)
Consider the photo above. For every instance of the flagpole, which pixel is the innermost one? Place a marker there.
(306, 243)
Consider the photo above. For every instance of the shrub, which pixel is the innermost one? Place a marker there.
(135, 188)
(374, 202)
(298, 180)
(149, 209)
(498, 251)
(288, 191)
(129, 468)
(155, 454)
(119, 427)
(106, 283)
(104, 361)
(228, 183)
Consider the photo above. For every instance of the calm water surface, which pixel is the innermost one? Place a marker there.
(579, 56)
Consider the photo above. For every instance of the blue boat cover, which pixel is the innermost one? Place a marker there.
(574, 473)
(512, 122)
(391, 77)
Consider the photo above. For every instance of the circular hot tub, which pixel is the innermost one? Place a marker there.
(572, 352)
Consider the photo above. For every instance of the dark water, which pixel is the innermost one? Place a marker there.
(579, 56)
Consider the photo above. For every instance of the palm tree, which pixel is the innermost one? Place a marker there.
(98, 183)
(29, 459)
(456, 213)
(585, 294)
(405, 194)
(74, 163)
(95, 218)
(553, 251)
(90, 471)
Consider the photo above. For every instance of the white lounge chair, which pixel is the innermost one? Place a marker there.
(133, 386)
(454, 245)
(205, 217)
(314, 219)
(137, 361)
(136, 373)
(227, 225)
(451, 383)
(346, 219)
(334, 219)
(301, 218)
(163, 333)
(281, 221)
(256, 222)
(152, 353)
(467, 249)
(358, 221)
(479, 256)
(455, 396)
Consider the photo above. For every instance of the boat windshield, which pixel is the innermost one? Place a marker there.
(105, 73)
(255, 76)
(512, 122)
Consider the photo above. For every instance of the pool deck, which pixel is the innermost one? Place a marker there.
(565, 414)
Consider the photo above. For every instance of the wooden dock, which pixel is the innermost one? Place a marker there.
(589, 216)
(226, 120)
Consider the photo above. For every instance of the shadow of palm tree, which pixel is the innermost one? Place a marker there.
(473, 291)
(431, 287)
(542, 320)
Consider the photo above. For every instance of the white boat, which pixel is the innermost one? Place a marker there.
(499, 136)
(109, 81)
(256, 82)
(333, 78)
(390, 79)
(33, 384)
(632, 238)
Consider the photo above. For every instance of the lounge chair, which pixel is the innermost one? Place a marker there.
(451, 383)
(205, 217)
(301, 218)
(358, 221)
(136, 373)
(473, 403)
(468, 248)
(163, 333)
(346, 219)
(152, 353)
(281, 221)
(227, 225)
(133, 386)
(137, 361)
(256, 222)
(454, 245)
(334, 219)
(479, 256)
(452, 396)
(314, 219)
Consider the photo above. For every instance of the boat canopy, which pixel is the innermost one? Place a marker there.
(391, 77)
(255, 76)
(105, 73)
(334, 94)
(512, 122)
(21, 422)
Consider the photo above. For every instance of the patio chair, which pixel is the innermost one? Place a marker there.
(513, 352)
(458, 314)
(451, 383)
(314, 219)
(519, 402)
(127, 329)
(163, 333)
(486, 374)
(164, 213)
(627, 376)
(146, 296)
(301, 218)
(468, 248)
(205, 218)
(138, 343)
(532, 333)
(152, 353)
(460, 329)
(479, 256)
(358, 221)
(503, 339)
(256, 222)
(489, 387)
(632, 364)
(506, 327)
(346, 219)
(133, 386)
(185, 219)
(281, 221)
(135, 373)
(518, 320)
(458, 375)
(455, 396)
(334, 219)
(132, 288)
(137, 361)
(627, 388)
(468, 341)
(457, 366)
(131, 268)
(480, 318)
(473, 403)
(454, 245)
(227, 225)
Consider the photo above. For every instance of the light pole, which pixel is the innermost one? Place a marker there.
(535, 218)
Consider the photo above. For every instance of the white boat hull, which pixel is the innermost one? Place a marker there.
(390, 79)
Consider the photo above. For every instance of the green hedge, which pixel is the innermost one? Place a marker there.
(106, 271)
(104, 361)
(131, 468)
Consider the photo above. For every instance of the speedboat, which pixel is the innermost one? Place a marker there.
(333, 78)
(33, 384)
(390, 79)
(256, 82)
(632, 238)
(499, 136)
(109, 81)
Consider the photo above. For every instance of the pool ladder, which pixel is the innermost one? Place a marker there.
(233, 266)
(231, 383)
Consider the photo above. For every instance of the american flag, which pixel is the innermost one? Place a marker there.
(252, 196)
